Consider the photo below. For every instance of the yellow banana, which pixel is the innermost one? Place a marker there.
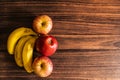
(16, 35)
(27, 54)
(18, 50)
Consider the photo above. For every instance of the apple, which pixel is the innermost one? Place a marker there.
(42, 66)
(46, 45)
(42, 24)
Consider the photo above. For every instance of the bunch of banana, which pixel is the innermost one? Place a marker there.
(21, 43)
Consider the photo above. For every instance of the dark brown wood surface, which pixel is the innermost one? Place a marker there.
(88, 32)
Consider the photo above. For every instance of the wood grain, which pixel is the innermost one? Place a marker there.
(73, 64)
(88, 32)
(76, 17)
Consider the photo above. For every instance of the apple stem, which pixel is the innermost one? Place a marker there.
(43, 23)
(50, 42)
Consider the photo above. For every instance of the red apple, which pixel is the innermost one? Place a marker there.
(46, 45)
(42, 24)
(42, 66)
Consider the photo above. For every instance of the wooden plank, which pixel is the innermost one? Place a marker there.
(80, 42)
(88, 41)
(66, 1)
(71, 65)
(67, 28)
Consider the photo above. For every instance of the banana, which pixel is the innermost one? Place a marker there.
(18, 50)
(27, 54)
(15, 36)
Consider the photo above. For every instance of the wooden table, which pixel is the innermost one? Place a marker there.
(88, 32)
